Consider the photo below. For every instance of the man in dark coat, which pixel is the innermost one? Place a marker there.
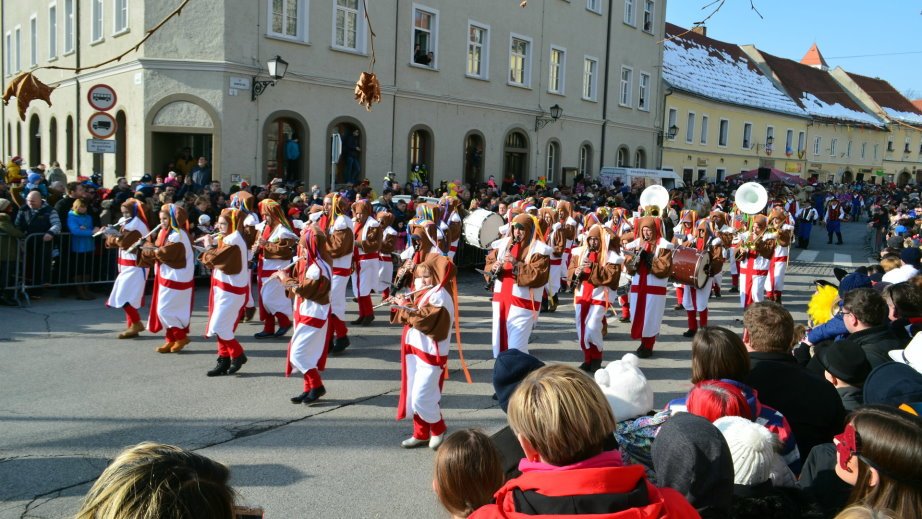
(811, 405)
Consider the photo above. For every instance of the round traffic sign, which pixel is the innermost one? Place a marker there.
(101, 97)
(101, 125)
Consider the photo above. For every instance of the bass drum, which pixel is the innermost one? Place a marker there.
(690, 267)
(481, 228)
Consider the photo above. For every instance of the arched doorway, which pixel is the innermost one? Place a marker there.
(285, 146)
(35, 141)
(473, 158)
(903, 179)
(420, 155)
(180, 121)
(585, 160)
(53, 140)
(351, 164)
(640, 158)
(121, 144)
(847, 177)
(623, 154)
(515, 156)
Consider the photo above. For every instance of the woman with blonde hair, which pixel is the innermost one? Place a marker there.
(152, 480)
(562, 421)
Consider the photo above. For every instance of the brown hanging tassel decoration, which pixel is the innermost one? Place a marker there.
(26, 88)
(367, 88)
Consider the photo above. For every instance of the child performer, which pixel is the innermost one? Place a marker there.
(171, 304)
(128, 289)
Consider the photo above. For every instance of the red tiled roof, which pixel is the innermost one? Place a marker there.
(917, 103)
(814, 57)
(884, 94)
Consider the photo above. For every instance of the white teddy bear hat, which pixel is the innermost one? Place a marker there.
(626, 388)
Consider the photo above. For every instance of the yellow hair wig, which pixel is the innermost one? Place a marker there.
(823, 304)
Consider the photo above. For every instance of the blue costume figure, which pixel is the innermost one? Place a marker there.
(833, 220)
(805, 220)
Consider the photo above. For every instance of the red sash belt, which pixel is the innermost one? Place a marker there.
(369, 256)
(556, 261)
(342, 271)
(127, 262)
(263, 273)
(754, 273)
(314, 322)
(176, 285)
(227, 287)
(520, 302)
(779, 259)
(428, 358)
(384, 257)
(453, 248)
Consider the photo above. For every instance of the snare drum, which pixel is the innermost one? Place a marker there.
(690, 267)
(481, 228)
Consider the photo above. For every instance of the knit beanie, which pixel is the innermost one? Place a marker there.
(853, 281)
(34, 178)
(752, 448)
(910, 256)
(625, 387)
(510, 368)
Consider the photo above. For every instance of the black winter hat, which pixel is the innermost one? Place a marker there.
(510, 368)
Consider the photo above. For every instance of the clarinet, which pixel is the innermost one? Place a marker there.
(497, 267)
(402, 278)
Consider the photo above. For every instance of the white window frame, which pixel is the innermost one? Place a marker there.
(723, 133)
(68, 26)
(907, 145)
(17, 42)
(789, 140)
(671, 120)
(630, 13)
(848, 150)
(652, 16)
(526, 61)
(876, 150)
(302, 22)
(802, 142)
(585, 158)
(561, 70)
(690, 127)
(361, 28)
(643, 91)
(52, 31)
(627, 85)
(833, 144)
(33, 40)
(769, 132)
(594, 80)
(97, 21)
(9, 55)
(116, 30)
(747, 136)
(433, 36)
(817, 145)
(864, 150)
(594, 6)
(484, 51)
(705, 121)
(551, 160)
(720, 174)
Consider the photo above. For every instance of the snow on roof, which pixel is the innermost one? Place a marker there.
(894, 104)
(817, 91)
(720, 71)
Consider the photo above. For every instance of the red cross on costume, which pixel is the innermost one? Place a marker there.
(506, 300)
(585, 299)
(642, 289)
(749, 269)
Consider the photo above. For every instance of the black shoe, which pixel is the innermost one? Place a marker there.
(237, 363)
(220, 368)
(339, 345)
(368, 319)
(299, 399)
(643, 352)
(734, 290)
(248, 314)
(282, 331)
(624, 319)
(677, 307)
(265, 335)
(358, 321)
(314, 394)
(840, 243)
(717, 295)
(595, 365)
(689, 333)
(585, 367)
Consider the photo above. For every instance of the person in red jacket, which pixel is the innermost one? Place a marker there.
(563, 422)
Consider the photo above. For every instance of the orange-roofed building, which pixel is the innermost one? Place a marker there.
(814, 58)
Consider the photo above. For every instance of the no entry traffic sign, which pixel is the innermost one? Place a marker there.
(101, 97)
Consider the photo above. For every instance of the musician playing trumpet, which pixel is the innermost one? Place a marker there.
(594, 270)
(650, 266)
(522, 262)
(754, 253)
(128, 289)
(276, 246)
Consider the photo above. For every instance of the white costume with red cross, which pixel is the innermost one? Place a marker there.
(128, 288)
(648, 294)
(229, 293)
(591, 303)
(557, 268)
(309, 339)
(515, 307)
(753, 270)
(171, 304)
(779, 266)
(385, 264)
(696, 299)
(251, 220)
(365, 275)
(272, 295)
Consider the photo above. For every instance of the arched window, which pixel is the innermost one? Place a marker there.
(121, 148)
(420, 155)
(640, 158)
(515, 155)
(585, 160)
(552, 164)
(9, 140)
(19, 140)
(35, 140)
(69, 135)
(473, 158)
(622, 157)
(53, 139)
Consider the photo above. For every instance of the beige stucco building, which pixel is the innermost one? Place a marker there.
(478, 105)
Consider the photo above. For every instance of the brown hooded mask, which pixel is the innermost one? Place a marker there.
(384, 218)
(361, 211)
(528, 224)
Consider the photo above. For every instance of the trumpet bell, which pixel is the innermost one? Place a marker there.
(655, 196)
(751, 198)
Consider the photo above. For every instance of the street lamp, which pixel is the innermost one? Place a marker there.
(541, 121)
(671, 133)
(277, 69)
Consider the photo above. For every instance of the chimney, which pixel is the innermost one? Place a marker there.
(700, 29)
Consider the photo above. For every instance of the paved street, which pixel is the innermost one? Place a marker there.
(72, 396)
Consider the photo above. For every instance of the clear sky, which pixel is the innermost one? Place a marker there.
(890, 30)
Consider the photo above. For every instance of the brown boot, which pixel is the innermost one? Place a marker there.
(166, 348)
(132, 331)
(248, 314)
(180, 344)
